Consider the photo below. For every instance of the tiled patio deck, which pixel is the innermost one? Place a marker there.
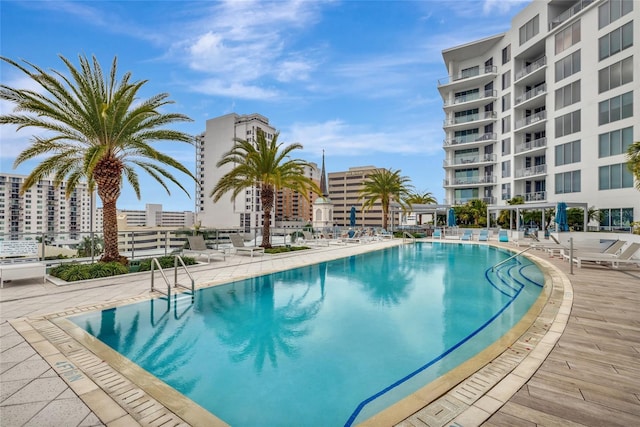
(591, 377)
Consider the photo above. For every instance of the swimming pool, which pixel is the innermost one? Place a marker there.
(331, 344)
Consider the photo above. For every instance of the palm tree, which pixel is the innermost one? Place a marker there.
(424, 198)
(385, 186)
(633, 162)
(267, 165)
(96, 130)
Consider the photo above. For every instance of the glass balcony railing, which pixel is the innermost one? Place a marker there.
(471, 97)
(539, 63)
(531, 94)
(471, 180)
(470, 138)
(573, 10)
(534, 170)
(466, 160)
(531, 145)
(535, 196)
(542, 115)
(468, 74)
(485, 115)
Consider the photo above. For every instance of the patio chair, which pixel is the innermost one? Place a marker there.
(238, 244)
(467, 235)
(311, 240)
(198, 247)
(437, 233)
(484, 235)
(503, 236)
(623, 258)
(612, 250)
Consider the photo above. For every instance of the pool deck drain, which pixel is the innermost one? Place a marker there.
(469, 403)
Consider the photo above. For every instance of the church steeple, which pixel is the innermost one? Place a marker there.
(323, 179)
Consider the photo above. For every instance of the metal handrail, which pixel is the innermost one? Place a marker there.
(154, 261)
(175, 273)
(407, 234)
(511, 257)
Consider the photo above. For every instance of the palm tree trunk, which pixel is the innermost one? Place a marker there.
(108, 177)
(110, 232)
(266, 196)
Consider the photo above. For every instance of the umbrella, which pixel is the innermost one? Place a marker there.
(352, 217)
(561, 217)
(451, 218)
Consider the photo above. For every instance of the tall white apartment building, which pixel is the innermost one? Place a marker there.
(245, 211)
(151, 216)
(546, 110)
(43, 209)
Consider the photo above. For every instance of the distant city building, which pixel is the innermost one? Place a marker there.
(291, 205)
(151, 216)
(42, 209)
(323, 206)
(344, 189)
(545, 110)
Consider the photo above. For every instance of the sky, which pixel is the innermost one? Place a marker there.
(357, 79)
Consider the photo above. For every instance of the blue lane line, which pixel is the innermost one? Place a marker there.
(540, 285)
(362, 404)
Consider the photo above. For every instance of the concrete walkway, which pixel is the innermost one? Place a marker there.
(603, 332)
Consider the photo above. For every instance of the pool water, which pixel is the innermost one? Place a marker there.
(330, 344)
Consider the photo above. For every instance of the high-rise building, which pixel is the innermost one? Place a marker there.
(43, 209)
(344, 189)
(545, 110)
(243, 212)
(151, 216)
(291, 205)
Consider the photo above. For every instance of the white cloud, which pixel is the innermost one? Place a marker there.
(501, 7)
(237, 90)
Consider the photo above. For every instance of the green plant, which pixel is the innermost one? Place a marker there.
(282, 249)
(165, 262)
(73, 272)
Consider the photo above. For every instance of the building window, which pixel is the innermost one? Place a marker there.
(618, 219)
(506, 102)
(506, 54)
(615, 75)
(614, 176)
(506, 146)
(568, 37)
(568, 124)
(616, 41)
(568, 153)
(529, 30)
(506, 80)
(470, 72)
(506, 124)
(616, 108)
(568, 182)
(614, 143)
(613, 10)
(506, 169)
(568, 65)
(567, 95)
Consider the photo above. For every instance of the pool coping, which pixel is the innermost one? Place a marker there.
(478, 389)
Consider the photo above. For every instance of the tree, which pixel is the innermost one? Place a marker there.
(424, 198)
(385, 186)
(267, 165)
(633, 161)
(503, 217)
(84, 247)
(96, 130)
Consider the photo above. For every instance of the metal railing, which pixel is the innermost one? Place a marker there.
(511, 257)
(531, 68)
(471, 97)
(542, 115)
(468, 75)
(531, 94)
(177, 259)
(531, 145)
(471, 138)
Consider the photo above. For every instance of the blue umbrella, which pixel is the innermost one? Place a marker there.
(451, 218)
(352, 217)
(561, 217)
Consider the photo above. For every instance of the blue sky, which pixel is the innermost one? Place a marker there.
(357, 79)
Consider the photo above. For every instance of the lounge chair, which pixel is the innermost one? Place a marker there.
(467, 235)
(311, 240)
(384, 234)
(356, 237)
(484, 235)
(198, 247)
(623, 258)
(612, 250)
(238, 244)
(437, 234)
(503, 236)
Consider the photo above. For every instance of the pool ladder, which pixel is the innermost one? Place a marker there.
(406, 234)
(176, 259)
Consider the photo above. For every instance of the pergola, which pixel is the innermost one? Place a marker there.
(394, 208)
(536, 207)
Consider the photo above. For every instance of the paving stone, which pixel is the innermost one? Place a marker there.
(60, 412)
(10, 387)
(27, 369)
(40, 389)
(18, 415)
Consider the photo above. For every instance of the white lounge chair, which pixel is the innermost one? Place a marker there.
(623, 258)
(311, 240)
(238, 244)
(198, 247)
(611, 250)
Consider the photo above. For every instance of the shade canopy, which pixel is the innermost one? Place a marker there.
(352, 217)
(561, 217)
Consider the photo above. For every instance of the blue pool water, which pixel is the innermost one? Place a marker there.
(330, 344)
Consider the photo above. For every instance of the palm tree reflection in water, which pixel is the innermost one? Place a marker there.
(262, 329)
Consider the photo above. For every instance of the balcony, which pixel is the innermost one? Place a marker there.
(537, 196)
(529, 95)
(470, 119)
(470, 160)
(531, 171)
(527, 146)
(471, 100)
(573, 10)
(457, 202)
(531, 68)
(531, 120)
(471, 180)
(474, 139)
(485, 74)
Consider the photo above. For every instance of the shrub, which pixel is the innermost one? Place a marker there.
(75, 272)
(282, 249)
(165, 262)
